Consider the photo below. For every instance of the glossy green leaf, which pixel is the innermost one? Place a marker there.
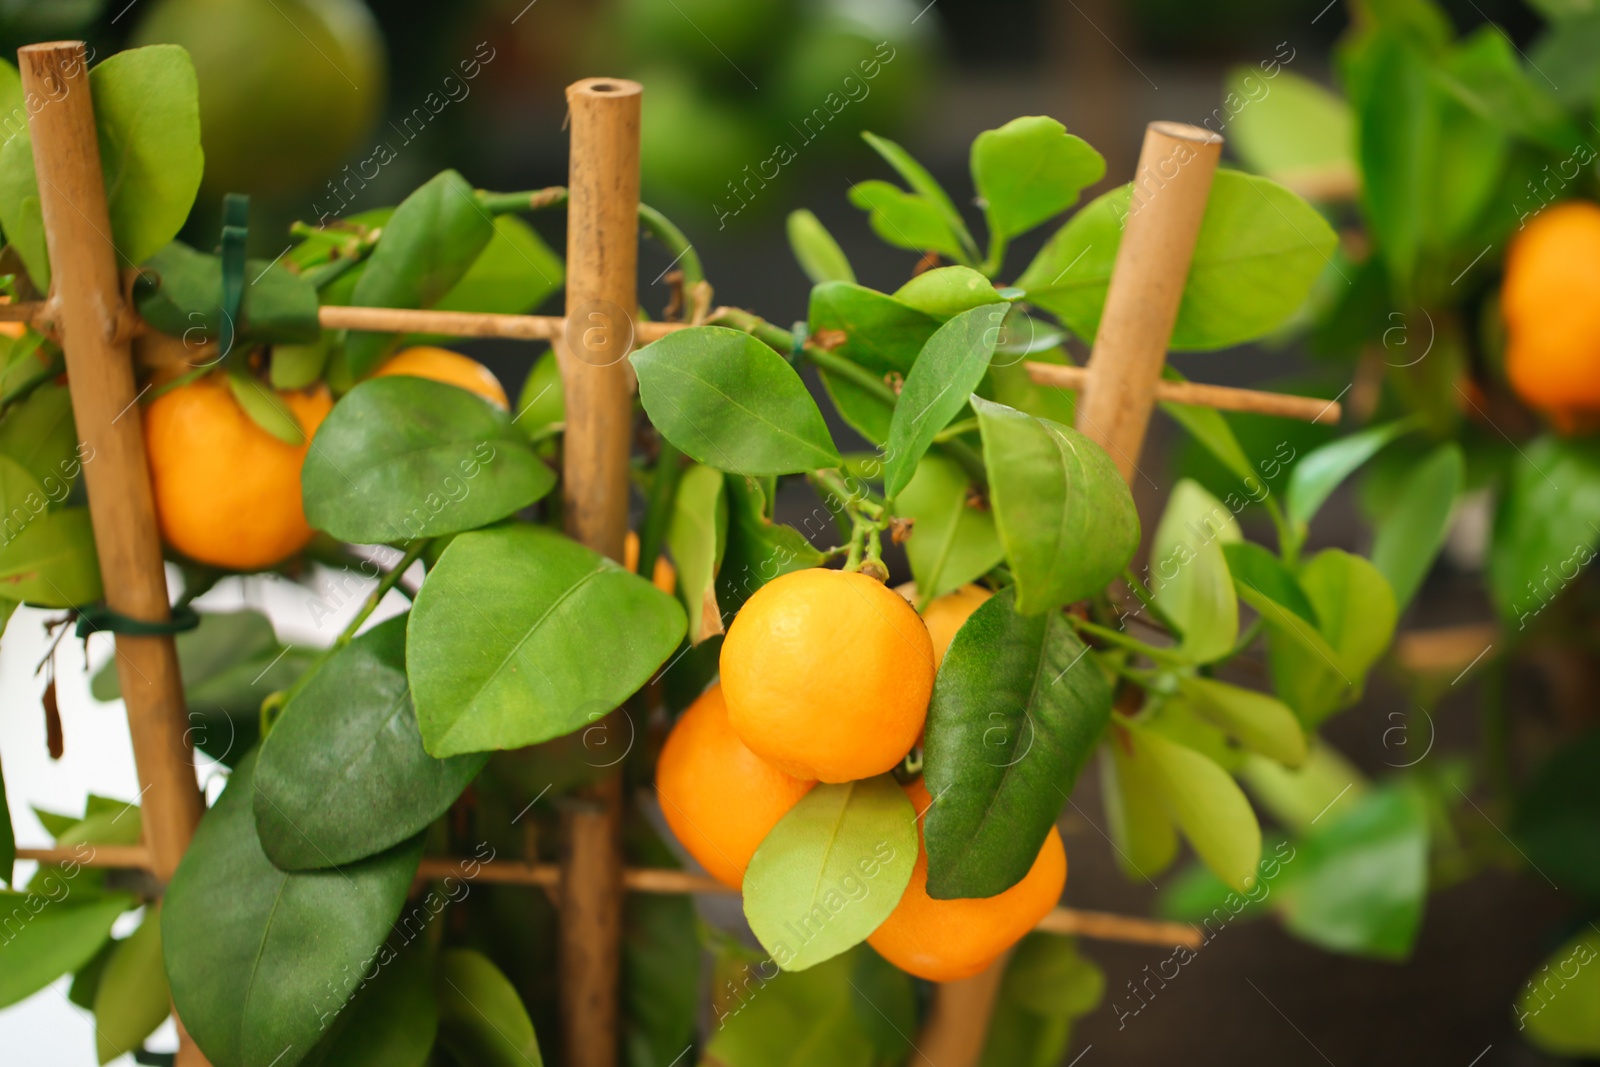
(390, 1022)
(39, 433)
(1257, 571)
(20, 214)
(257, 956)
(542, 401)
(1395, 138)
(265, 408)
(880, 333)
(906, 220)
(1030, 170)
(1556, 814)
(954, 540)
(818, 253)
(1321, 470)
(1359, 881)
(49, 934)
(514, 274)
(502, 650)
(1259, 250)
(1256, 720)
(1204, 801)
(1065, 516)
(343, 774)
(1142, 834)
(400, 458)
(1411, 534)
(945, 292)
(697, 536)
(1316, 674)
(730, 402)
(831, 871)
(1287, 125)
(1547, 527)
(481, 1018)
(131, 998)
(52, 561)
(179, 292)
(923, 184)
(1559, 1005)
(1190, 578)
(428, 245)
(944, 375)
(805, 1019)
(1018, 707)
(758, 549)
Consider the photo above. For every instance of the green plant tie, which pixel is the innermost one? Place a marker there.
(97, 618)
(235, 231)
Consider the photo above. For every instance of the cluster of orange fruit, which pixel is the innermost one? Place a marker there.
(1550, 301)
(825, 677)
(227, 492)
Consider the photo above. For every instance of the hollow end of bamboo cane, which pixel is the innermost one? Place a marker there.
(1183, 131)
(602, 88)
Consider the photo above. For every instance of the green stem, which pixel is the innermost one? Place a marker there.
(1122, 640)
(955, 430)
(997, 255)
(685, 258)
(527, 200)
(658, 506)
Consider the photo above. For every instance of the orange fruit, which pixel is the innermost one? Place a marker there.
(944, 615)
(1551, 302)
(827, 674)
(720, 798)
(943, 940)
(451, 368)
(227, 492)
(663, 575)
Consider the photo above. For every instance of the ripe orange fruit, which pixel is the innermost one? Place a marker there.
(451, 368)
(944, 614)
(827, 674)
(720, 798)
(1551, 302)
(943, 940)
(663, 574)
(228, 492)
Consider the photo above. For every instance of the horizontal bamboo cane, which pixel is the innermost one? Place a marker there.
(1224, 398)
(1100, 925)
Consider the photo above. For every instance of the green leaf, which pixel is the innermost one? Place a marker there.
(1324, 786)
(1411, 534)
(428, 245)
(1258, 572)
(52, 934)
(805, 1019)
(298, 366)
(697, 535)
(1256, 720)
(818, 253)
(390, 1022)
(1065, 516)
(1259, 250)
(481, 1018)
(1566, 1023)
(1321, 470)
(1030, 170)
(502, 648)
(515, 273)
(265, 408)
(1017, 708)
(946, 292)
(923, 184)
(543, 401)
(1288, 125)
(1191, 581)
(39, 433)
(954, 540)
(179, 292)
(1556, 814)
(1210, 429)
(730, 402)
(880, 334)
(758, 549)
(1547, 526)
(1319, 672)
(343, 774)
(52, 561)
(1359, 881)
(400, 458)
(1204, 801)
(1142, 834)
(132, 997)
(831, 871)
(1395, 138)
(906, 220)
(1047, 984)
(1485, 74)
(258, 957)
(946, 372)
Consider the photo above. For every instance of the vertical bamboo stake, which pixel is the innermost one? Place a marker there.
(1170, 189)
(89, 308)
(602, 268)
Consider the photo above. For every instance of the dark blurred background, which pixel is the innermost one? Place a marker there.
(299, 95)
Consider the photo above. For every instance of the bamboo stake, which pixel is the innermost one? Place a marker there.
(602, 268)
(463, 323)
(1170, 189)
(1304, 408)
(94, 327)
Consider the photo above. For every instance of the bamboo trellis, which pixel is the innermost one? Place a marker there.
(88, 313)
